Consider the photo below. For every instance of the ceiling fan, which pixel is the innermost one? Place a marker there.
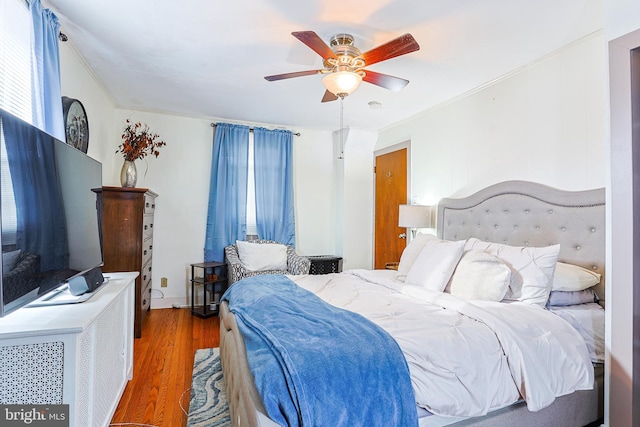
(344, 63)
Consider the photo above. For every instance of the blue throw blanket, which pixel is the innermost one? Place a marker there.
(318, 365)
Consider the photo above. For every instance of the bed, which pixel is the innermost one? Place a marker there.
(513, 214)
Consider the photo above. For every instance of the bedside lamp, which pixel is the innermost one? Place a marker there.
(415, 216)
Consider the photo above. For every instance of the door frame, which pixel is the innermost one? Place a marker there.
(386, 150)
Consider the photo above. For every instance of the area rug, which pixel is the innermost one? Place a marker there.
(208, 405)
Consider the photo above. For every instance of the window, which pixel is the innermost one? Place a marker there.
(15, 58)
(9, 223)
(15, 94)
(252, 227)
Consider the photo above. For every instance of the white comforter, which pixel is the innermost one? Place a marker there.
(466, 357)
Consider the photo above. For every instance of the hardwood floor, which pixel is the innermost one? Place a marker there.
(162, 366)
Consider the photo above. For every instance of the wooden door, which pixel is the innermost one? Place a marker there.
(391, 191)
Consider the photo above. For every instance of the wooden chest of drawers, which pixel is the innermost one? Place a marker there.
(127, 239)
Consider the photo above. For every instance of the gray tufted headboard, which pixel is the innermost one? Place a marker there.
(521, 213)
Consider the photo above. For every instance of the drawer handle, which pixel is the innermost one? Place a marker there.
(150, 247)
(153, 206)
(145, 252)
(144, 277)
(144, 302)
(149, 268)
(146, 226)
(151, 225)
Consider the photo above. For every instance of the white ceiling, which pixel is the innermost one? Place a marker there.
(205, 58)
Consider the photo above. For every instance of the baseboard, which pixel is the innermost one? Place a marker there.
(169, 302)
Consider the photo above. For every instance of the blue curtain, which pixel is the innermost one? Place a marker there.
(41, 226)
(226, 218)
(45, 68)
(273, 163)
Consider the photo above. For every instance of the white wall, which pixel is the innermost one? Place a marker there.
(623, 34)
(543, 123)
(621, 17)
(315, 177)
(356, 198)
(78, 82)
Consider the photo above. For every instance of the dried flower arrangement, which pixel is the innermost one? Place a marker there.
(138, 142)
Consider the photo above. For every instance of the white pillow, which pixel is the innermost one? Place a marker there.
(569, 277)
(9, 260)
(262, 256)
(435, 264)
(480, 276)
(410, 254)
(531, 269)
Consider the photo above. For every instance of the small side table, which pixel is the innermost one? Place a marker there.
(212, 277)
(325, 264)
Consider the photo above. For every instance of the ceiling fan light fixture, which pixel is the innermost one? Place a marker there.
(342, 83)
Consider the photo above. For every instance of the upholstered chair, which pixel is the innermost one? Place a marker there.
(296, 264)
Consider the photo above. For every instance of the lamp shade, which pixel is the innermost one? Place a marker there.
(342, 83)
(415, 216)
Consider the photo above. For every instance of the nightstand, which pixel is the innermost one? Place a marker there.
(211, 277)
(391, 266)
(325, 264)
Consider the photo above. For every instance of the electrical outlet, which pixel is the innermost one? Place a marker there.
(163, 282)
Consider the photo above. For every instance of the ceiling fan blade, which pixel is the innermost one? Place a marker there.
(384, 80)
(396, 47)
(292, 75)
(328, 96)
(314, 41)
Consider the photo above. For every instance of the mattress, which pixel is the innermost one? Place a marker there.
(478, 363)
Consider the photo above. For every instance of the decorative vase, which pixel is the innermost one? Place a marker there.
(128, 174)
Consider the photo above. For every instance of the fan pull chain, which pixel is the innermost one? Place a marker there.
(341, 156)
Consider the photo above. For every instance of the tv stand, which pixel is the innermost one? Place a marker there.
(77, 354)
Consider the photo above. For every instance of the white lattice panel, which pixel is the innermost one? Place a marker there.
(84, 369)
(109, 369)
(31, 373)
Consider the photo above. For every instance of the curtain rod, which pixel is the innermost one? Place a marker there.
(251, 129)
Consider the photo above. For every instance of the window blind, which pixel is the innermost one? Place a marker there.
(15, 58)
(15, 95)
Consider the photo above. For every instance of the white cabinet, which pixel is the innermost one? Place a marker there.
(77, 354)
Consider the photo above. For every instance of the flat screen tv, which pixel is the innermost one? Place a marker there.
(50, 219)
